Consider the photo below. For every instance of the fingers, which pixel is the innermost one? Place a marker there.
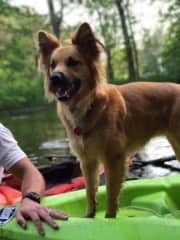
(21, 220)
(37, 216)
(37, 213)
(34, 217)
(47, 215)
(37, 221)
(58, 215)
(44, 214)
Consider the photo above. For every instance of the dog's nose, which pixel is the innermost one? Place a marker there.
(58, 79)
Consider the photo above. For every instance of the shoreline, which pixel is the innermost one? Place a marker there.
(20, 110)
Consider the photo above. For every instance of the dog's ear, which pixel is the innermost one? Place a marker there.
(86, 41)
(46, 44)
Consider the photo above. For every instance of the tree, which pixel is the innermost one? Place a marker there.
(57, 10)
(18, 73)
(131, 21)
(56, 17)
(171, 47)
(108, 27)
(128, 45)
(150, 54)
(170, 53)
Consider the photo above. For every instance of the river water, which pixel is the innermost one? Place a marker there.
(38, 132)
(41, 135)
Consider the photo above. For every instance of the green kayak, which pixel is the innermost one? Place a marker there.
(150, 209)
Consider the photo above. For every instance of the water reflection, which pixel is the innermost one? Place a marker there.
(38, 133)
(55, 144)
(157, 148)
(41, 134)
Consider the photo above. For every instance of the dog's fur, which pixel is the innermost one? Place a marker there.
(106, 123)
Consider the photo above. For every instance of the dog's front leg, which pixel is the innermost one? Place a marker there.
(90, 169)
(115, 173)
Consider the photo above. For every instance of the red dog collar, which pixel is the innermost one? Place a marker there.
(77, 131)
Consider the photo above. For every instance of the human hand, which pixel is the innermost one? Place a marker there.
(36, 212)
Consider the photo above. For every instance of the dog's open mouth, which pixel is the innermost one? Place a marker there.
(65, 93)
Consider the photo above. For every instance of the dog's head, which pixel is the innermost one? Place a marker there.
(70, 71)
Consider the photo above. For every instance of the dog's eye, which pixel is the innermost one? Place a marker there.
(71, 62)
(52, 65)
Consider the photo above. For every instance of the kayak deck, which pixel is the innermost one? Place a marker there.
(149, 209)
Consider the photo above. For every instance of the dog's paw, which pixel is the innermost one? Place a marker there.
(110, 215)
(89, 215)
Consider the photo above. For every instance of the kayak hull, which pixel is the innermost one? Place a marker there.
(149, 209)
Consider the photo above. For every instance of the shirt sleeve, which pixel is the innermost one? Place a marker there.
(10, 152)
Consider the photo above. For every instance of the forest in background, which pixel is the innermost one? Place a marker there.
(155, 57)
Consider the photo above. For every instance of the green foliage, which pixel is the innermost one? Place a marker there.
(21, 85)
(160, 58)
(171, 48)
(150, 55)
(120, 70)
(171, 52)
(20, 82)
(108, 26)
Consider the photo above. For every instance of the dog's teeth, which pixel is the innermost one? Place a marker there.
(62, 94)
(66, 94)
(57, 95)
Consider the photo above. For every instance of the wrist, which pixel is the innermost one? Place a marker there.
(33, 196)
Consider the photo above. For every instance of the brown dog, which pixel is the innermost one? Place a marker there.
(105, 123)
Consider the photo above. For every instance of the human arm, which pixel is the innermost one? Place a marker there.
(13, 159)
(32, 181)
